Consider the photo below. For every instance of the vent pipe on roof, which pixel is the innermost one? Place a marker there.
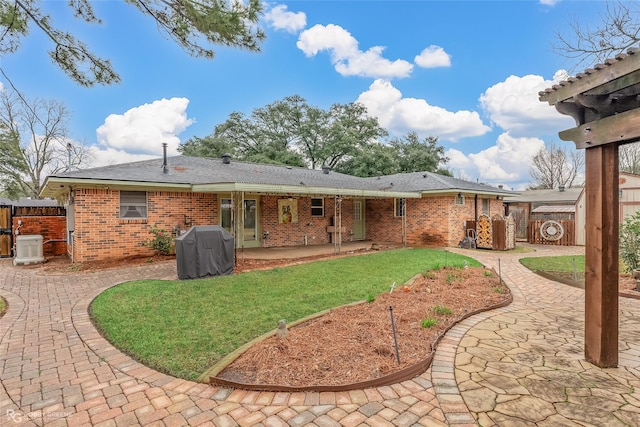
(226, 158)
(500, 186)
(561, 188)
(325, 170)
(165, 168)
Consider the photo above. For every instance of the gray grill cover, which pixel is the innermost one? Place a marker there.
(205, 250)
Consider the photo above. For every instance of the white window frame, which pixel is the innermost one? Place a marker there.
(132, 205)
(399, 208)
(321, 207)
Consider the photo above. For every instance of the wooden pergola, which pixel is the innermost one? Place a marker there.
(604, 102)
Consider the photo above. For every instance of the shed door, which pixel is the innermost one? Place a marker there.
(358, 219)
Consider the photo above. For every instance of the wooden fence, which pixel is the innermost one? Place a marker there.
(536, 236)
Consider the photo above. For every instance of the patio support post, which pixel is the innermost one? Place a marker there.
(601, 255)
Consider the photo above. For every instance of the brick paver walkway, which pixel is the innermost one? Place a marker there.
(520, 365)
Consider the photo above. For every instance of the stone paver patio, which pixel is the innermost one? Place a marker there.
(519, 365)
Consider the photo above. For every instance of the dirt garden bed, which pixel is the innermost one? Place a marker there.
(355, 344)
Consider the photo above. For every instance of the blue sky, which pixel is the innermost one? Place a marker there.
(467, 72)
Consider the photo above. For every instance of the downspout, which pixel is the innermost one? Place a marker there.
(475, 206)
(404, 223)
(242, 216)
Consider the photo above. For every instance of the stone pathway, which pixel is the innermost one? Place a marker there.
(520, 365)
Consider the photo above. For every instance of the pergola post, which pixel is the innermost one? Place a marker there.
(601, 255)
(604, 101)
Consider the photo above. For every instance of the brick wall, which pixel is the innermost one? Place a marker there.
(431, 221)
(53, 230)
(101, 234)
(313, 227)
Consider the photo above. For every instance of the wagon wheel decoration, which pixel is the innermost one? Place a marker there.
(551, 230)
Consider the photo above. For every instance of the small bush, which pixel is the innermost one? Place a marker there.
(630, 242)
(487, 273)
(500, 290)
(429, 322)
(440, 309)
(161, 241)
(370, 298)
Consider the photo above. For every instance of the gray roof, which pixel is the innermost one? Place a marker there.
(433, 182)
(27, 202)
(555, 209)
(567, 196)
(203, 174)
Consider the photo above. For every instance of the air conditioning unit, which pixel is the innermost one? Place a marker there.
(29, 249)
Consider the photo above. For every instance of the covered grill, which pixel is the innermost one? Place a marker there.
(205, 250)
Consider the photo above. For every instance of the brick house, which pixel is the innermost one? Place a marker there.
(111, 209)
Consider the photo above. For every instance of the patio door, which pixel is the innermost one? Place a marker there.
(250, 223)
(243, 222)
(358, 219)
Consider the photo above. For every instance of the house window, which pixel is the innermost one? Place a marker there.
(485, 206)
(133, 204)
(400, 205)
(317, 207)
(225, 214)
(459, 199)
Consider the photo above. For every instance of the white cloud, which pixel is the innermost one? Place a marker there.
(549, 2)
(143, 129)
(401, 115)
(110, 156)
(281, 19)
(433, 57)
(346, 56)
(514, 106)
(508, 162)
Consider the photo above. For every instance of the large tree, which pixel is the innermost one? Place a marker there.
(618, 30)
(34, 143)
(292, 132)
(629, 157)
(555, 166)
(194, 25)
(400, 155)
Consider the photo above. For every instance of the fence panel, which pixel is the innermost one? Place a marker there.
(536, 235)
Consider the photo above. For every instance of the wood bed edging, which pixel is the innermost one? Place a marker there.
(393, 378)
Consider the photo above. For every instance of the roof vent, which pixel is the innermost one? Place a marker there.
(500, 186)
(325, 170)
(226, 158)
(561, 188)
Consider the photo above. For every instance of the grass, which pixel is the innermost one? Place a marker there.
(429, 322)
(3, 306)
(184, 327)
(563, 263)
(440, 309)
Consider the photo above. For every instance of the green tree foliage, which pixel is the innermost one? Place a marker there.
(194, 25)
(291, 132)
(630, 242)
(33, 143)
(400, 155)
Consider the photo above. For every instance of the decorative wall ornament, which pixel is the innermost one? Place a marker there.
(551, 230)
(287, 210)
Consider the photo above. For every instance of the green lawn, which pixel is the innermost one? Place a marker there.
(563, 263)
(184, 327)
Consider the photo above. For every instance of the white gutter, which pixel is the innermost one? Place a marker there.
(291, 189)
